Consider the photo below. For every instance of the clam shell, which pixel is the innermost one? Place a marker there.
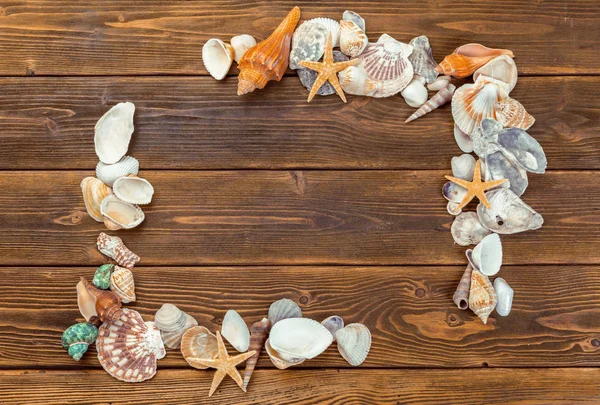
(169, 318)
(133, 190)
(173, 339)
(102, 275)
(464, 141)
(352, 39)
(308, 43)
(422, 59)
(333, 324)
(501, 68)
(276, 359)
(77, 338)
(463, 166)
(523, 149)
(482, 296)
(299, 338)
(94, 191)
(498, 167)
(198, 342)
(508, 213)
(120, 214)
(308, 76)
(511, 113)
(332, 27)
(349, 15)
(124, 167)
(415, 94)
(505, 296)
(283, 309)
(113, 247)
(240, 44)
(122, 284)
(388, 59)
(467, 230)
(113, 133)
(235, 331)
(217, 57)
(354, 343)
(487, 255)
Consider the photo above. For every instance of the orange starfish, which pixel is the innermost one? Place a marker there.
(475, 188)
(327, 71)
(225, 365)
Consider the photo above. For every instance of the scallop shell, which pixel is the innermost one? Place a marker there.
(511, 113)
(299, 338)
(133, 190)
(439, 83)
(332, 26)
(128, 348)
(122, 284)
(113, 247)
(277, 360)
(501, 68)
(235, 331)
(258, 335)
(217, 57)
(94, 191)
(349, 15)
(354, 343)
(439, 99)
(422, 59)
(198, 342)
(308, 43)
(464, 141)
(388, 59)
(487, 255)
(505, 296)
(476, 50)
(124, 167)
(467, 230)
(309, 76)
(498, 167)
(240, 44)
(461, 295)
(102, 274)
(415, 94)
(120, 214)
(77, 338)
(508, 213)
(352, 39)
(482, 296)
(333, 324)
(463, 166)
(283, 309)
(113, 133)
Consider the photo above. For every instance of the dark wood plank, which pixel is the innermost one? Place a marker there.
(409, 310)
(198, 123)
(60, 37)
(276, 217)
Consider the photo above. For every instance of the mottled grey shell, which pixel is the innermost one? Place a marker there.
(499, 167)
(283, 309)
(453, 192)
(308, 43)
(355, 18)
(524, 148)
(508, 213)
(308, 76)
(422, 59)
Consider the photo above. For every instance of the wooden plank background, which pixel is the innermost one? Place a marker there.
(336, 206)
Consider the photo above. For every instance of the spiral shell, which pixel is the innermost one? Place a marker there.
(78, 337)
(122, 284)
(482, 296)
(258, 335)
(511, 113)
(113, 247)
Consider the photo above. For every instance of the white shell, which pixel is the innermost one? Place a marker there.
(133, 189)
(308, 43)
(439, 83)
(509, 214)
(387, 59)
(333, 324)
(464, 141)
(505, 296)
(120, 214)
(299, 338)
(283, 309)
(502, 68)
(235, 330)
(451, 208)
(122, 284)
(124, 167)
(354, 80)
(352, 39)
(240, 44)
(173, 339)
(355, 18)
(169, 318)
(487, 255)
(113, 133)
(463, 166)
(467, 230)
(415, 94)
(354, 343)
(276, 359)
(217, 57)
(332, 27)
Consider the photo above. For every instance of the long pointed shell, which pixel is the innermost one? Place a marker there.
(198, 342)
(349, 15)
(508, 213)
(120, 214)
(476, 50)
(258, 335)
(277, 360)
(308, 43)
(133, 190)
(283, 309)
(299, 338)
(240, 44)
(501, 68)
(113, 247)
(422, 59)
(482, 296)
(439, 99)
(354, 343)
(332, 27)
(461, 295)
(487, 255)
(467, 230)
(235, 330)
(505, 296)
(113, 132)
(333, 324)
(124, 167)
(122, 284)
(217, 57)
(352, 39)
(94, 191)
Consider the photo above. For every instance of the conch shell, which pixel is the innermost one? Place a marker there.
(461, 295)
(268, 60)
(482, 296)
(106, 304)
(122, 284)
(466, 59)
(94, 191)
(113, 247)
(258, 335)
(438, 100)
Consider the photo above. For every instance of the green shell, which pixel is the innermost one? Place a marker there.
(102, 276)
(78, 337)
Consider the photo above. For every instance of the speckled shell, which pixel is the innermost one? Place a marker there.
(133, 190)
(113, 247)
(119, 214)
(78, 337)
(124, 167)
(122, 284)
(102, 276)
(511, 113)
(498, 167)
(467, 230)
(482, 296)
(113, 132)
(283, 309)
(422, 59)
(198, 342)
(352, 39)
(235, 331)
(308, 43)
(94, 191)
(333, 324)
(508, 213)
(388, 59)
(258, 335)
(354, 343)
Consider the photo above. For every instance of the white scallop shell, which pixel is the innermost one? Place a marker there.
(217, 57)
(240, 44)
(415, 94)
(349, 15)
(502, 68)
(113, 132)
(308, 43)
(352, 39)
(120, 214)
(332, 27)
(463, 166)
(124, 167)
(387, 59)
(509, 214)
(467, 230)
(354, 343)
(277, 360)
(235, 330)
(299, 338)
(333, 324)
(505, 296)
(133, 189)
(283, 309)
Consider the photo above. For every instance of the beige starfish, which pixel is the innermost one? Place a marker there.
(327, 71)
(475, 188)
(225, 365)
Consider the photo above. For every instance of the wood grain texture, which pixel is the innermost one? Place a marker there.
(280, 217)
(409, 310)
(61, 37)
(326, 386)
(198, 123)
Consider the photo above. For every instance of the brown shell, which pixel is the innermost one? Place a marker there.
(268, 60)
(459, 66)
(511, 113)
(258, 335)
(113, 247)
(461, 296)
(108, 304)
(482, 296)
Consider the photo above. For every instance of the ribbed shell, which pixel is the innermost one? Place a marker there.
(388, 60)
(124, 167)
(258, 335)
(308, 43)
(501, 68)
(173, 339)
(283, 309)
(354, 343)
(113, 247)
(332, 27)
(198, 342)
(482, 296)
(94, 191)
(122, 284)
(422, 59)
(460, 66)
(299, 338)
(511, 113)
(438, 100)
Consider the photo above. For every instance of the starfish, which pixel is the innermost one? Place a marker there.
(327, 70)
(225, 365)
(475, 188)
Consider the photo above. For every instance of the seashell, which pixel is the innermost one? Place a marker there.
(333, 324)
(485, 137)
(133, 190)
(198, 342)
(438, 100)
(501, 68)
(452, 208)
(86, 301)
(511, 113)
(258, 335)
(354, 343)
(388, 59)
(439, 83)
(128, 348)
(453, 192)
(217, 57)
(497, 167)
(505, 296)
(509, 214)
(463, 166)
(120, 214)
(309, 76)
(113, 132)
(355, 18)
(283, 309)
(267, 60)
(354, 80)
(113, 247)
(478, 50)
(460, 66)
(235, 330)
(487, 255)
(173, 323)
(415, 94)
(94, 191)
(464, 141)
(107, 305)
(472, 103)
(77, 338)
(102, 274)
(308, 43)
(124, 167)
(277, 360)
(240, 44)
(482, 296)
(173, 339)
(461, 295)
(467, 230)
(422, 59)
(121, 283)
(299, 338)
(332, 27)
(352, 39)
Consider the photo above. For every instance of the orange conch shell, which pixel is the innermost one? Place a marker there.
(268, 60)
(482, 296)
(466, 59)
(475, 50)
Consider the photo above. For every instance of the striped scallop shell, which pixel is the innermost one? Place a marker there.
(122, 284)
(332, 27)
(387, 59)
(124, 167)
(511, 113)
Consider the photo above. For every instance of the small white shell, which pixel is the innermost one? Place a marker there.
(113, 133)
(120, 214)
(283, 309)
(355, 18)
(276, 359)
(133, 189)
(217, 57)
(463, 166)
(451, 207)
(124, 167)
(502, 68)
(505, 296)
(169, 318)
(332, 27)
(439, 83)
(299, 338)
(122, 284)
(354, 343)
(333, 324)
(415, 94)
(240, 44)
(352, 39)
(235, 330)
(487, 255)
(467, 230)
(464, 141)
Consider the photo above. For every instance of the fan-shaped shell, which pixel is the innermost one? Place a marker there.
(277, 360)
(511, 113)
(217, 57)
(300, 338)
(113, 247)
(283, 309)
(124, 167)
(76, 338)
(349, 15)
(505, 296)
(333, 324)
(122, 284)
(308, 43)
(94, 191)
(508, 213)
(235, 330)
(102, 276)
(482, 296)
(501, 68)
(487, 255)
(332, 27)
(422, 59)
(240, 44)
(354, 343)
(388, 59)
(198, 342)
(120, 214)
(113, 132)
(133, 190)
(352, 39)
(467, 230)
